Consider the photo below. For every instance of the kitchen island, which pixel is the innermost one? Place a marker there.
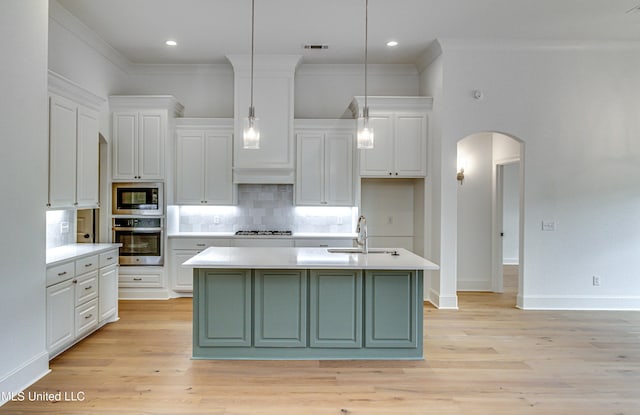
(307, 303)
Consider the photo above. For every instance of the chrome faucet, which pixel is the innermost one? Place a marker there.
(362, 239)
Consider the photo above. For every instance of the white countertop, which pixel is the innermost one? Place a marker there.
(76, 251)
(305, 235)
(306, 258)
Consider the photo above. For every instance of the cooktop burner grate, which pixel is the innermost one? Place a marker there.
(265, 233)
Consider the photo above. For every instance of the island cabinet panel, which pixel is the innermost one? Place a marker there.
(280, 308)
(335, 309)
(390, 304)
(225, 318)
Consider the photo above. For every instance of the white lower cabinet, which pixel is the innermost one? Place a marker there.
(80, 298)
(181, 249)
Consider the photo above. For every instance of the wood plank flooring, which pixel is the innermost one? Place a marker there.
(486, 358)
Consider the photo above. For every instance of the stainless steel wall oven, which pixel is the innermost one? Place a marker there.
(141, 238)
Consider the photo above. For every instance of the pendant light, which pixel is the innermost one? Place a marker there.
(364, 138)
(251, 133)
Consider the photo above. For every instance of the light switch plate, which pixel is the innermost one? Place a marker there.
(548, 225)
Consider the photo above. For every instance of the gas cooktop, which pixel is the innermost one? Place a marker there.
(265, 233)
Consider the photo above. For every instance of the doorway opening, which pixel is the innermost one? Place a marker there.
(490, 216)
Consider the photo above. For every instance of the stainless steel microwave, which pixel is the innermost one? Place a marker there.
(141, 198)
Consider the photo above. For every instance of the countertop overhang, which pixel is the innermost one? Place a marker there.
(305, 258)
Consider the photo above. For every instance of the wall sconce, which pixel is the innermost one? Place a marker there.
(462, 163)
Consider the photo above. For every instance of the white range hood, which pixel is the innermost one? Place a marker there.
(273, 97)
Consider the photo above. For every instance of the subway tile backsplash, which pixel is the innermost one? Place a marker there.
(265, 207)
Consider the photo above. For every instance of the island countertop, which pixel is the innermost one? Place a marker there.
(306, 258)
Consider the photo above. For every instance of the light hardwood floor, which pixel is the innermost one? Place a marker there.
(486, 358)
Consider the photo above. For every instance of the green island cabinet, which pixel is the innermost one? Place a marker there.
(307, 314)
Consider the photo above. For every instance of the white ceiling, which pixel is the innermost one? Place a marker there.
(207, 30)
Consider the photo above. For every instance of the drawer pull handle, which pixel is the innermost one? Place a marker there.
(137, 279)
(75, 281)
(88, 265)
(87, 317)
(60, 274)
(109, 258)
(200, 244)
(88, 288)
(323, 245)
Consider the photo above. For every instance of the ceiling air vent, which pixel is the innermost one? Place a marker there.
(317, 46)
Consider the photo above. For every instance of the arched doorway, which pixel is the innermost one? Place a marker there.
(489, 245)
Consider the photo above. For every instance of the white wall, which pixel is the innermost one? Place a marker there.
(23, 131)
(576, 109)
(474, 213)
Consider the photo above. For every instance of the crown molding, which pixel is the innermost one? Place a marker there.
(181, 69)
(83, 33)
(328, 70)
(59, 85)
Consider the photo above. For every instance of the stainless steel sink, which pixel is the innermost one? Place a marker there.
(360, 251)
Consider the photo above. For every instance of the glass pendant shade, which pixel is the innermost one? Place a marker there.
(364, 139)
(251, 132)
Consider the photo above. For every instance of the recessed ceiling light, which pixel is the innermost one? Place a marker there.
(171, 43)
(392, 43)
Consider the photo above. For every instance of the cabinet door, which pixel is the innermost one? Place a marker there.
(222, 308)
(309, 187)
(62, 152)
(151, 145)
(218, 179)
(108, 293)
(390, 304)
(182, 277)
(410, 145)
(87, 159)
(378, 161)
(60, 315)
(280, 308)
(190, 168)
(125, 132)
(338, 169)
(335, 309)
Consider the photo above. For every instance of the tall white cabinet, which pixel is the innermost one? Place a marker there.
(204, 156)
(141, 125)
(73, 144)
(400, 126)
(324, 162)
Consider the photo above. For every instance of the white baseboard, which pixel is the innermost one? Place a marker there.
(24, 376)
(443, 302)
(143, 294)
(558, 302)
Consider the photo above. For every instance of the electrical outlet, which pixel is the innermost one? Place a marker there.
(339, 220)
(548, 225)
(64, 227)
(596, 280)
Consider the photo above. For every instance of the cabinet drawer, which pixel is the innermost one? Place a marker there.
(86, 287)
(198, 243)
(87, 264)
(324, 243)
(60, 273)
(108, 258)
(86, 317)
(141, 280)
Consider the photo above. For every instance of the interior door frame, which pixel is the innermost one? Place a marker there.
(497, 277)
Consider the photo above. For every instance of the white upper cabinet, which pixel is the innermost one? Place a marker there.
(324, 167)
(400, 125)
(73, 145)
(204, 154)
(273, 97)
(141, 125)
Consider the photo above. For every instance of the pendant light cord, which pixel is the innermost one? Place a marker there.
(366, 41)
(252, 46)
